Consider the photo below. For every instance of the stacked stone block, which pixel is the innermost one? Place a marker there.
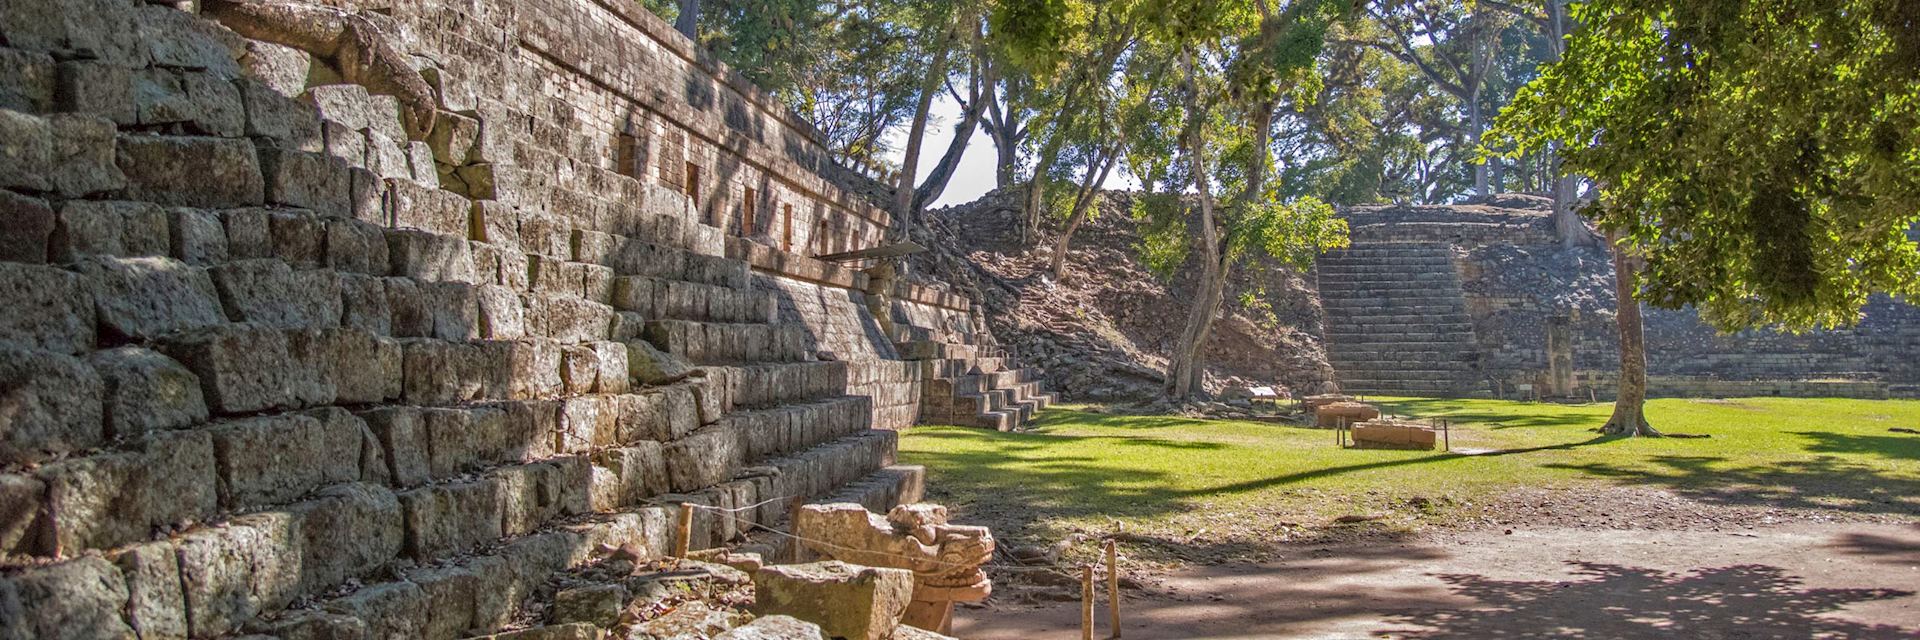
(1396, 320)
(263, 349)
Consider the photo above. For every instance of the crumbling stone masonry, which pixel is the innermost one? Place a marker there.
(279, 358)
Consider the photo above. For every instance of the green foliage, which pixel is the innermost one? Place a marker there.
(1164, 239)
(1762, 155)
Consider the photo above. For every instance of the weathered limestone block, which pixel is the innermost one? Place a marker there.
(847, 601)
(579, 369)
(109, 228)
(155, 606)
(269, 293)
(945, 559)
(652, 366)
(147, 392)
(27, 80)
(597, 605)
(454, 308)
(310, 624)
(196, 237)
(387, 158)
(112, 499)
(588, 422)
(431, 209)
(48, 308)
(178, 39)
(348, 105)
(348, 145)
(29, 151)
(455, 139)
(82, 156)
(453, 595)
(98, 88)
(363, 368)
(430, 257)
(468, 439)
(347, 531)
(568, 318)
(80, 599)
(29, 223)
(192, 101)
(533, 494)
(299, 237)
(530, 369)
(146, 298)
(613, 374)
(307, 180)
(703, 458)
(364, 305)
(49, 404)
(234, 573)
(390, 609)
(1333, 414)
(355, 246)
(191, 172)
(452, 517)
(440, 373)
(286, 123)
(626, 475)
(23, 516)
(403, 436)
(249, 233)
(274, 459)
(1393, 434)
(501, 315)
(778, 628)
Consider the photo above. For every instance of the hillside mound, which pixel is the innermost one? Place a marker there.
(1105, 330)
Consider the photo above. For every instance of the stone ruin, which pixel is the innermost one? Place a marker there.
(364, 318)
(1392, 433)
(945, 559)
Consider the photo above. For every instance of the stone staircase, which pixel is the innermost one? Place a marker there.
(1397, 323)
(968, 380)
(801, 432)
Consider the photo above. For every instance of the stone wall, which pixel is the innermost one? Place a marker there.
(1517, 288)
(271, 366)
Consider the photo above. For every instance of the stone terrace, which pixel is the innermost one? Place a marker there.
(270, 365)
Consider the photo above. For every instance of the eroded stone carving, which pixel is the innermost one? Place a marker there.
(358, 47)
(945, 559)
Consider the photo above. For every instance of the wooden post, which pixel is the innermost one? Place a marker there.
(1113, 590)
(680, 545)
(1086, 602)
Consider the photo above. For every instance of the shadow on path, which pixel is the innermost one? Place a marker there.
(1752, 602)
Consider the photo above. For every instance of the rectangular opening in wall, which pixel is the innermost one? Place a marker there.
(693, 184)
(746, 213)
(786, 233)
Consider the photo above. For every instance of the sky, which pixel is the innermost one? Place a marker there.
(973, 178)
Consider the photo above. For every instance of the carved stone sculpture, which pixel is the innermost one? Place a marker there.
(945, 559)
(359, 48)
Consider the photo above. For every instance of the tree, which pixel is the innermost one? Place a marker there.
(1756, 159)
(1233, 65)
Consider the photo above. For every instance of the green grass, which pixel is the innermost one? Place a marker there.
(1231, 481)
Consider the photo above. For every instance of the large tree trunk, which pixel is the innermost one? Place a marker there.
(1082, 203)
(1036, 201)
(1629, 407)
(910, 164)
(689, 21)
(1186, 369)
(942, 173)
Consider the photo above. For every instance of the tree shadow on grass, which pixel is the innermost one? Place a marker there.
(1889, 447)
(1754, 602)
(1823, 483)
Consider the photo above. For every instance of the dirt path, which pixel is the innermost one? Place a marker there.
(1793, 581)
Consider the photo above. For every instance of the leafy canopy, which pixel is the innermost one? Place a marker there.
(1763, 156)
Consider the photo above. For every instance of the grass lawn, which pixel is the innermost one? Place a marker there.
(1236, 482)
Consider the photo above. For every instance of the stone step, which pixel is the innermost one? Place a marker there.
(1397, 288)
(760, 386)
(976, 383)
(1399, 387)
(766, 433)
(1342, 356)
(1337, 335)
(879, 492)
(1363, 275)
(633, 257)
(1357, 308)
(658, 299)
(933, 350)
(1385, 322)
(732, 343)
(956, 367)
(820, 471)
